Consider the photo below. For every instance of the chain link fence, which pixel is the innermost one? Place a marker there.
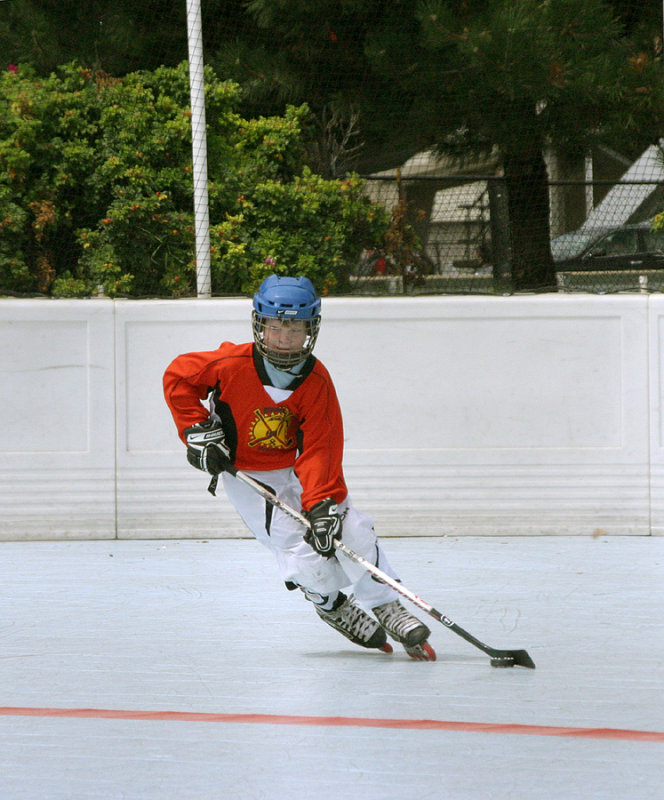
(104, 202)
(604, 237)
(462, 240)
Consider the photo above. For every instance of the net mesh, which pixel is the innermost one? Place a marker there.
(439, 146)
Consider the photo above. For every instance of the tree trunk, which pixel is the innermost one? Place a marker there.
(528, 202)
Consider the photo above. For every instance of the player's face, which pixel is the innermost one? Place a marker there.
(284, 336)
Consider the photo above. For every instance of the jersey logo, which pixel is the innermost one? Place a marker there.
(270, 429)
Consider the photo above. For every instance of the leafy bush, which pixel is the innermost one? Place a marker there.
(96, 190)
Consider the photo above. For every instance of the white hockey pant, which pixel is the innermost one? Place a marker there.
(297, 561)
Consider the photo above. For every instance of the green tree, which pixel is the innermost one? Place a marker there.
(477, 76)
(96, 189)
(293, 52)
(464, 76)
(534, 74)
(118, 36)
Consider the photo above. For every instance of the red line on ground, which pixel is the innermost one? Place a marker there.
(353, 722)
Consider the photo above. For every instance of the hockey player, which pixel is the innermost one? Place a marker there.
(273, 413)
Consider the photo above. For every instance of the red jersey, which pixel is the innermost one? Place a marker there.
(305, 430)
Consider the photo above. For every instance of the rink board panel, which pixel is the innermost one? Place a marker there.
(521, 415)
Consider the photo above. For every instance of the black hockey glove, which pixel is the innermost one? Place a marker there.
(325, 527)
(206, 447)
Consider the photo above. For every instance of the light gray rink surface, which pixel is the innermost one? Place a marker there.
(185, 626)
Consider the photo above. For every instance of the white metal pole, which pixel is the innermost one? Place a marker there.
(590, 198)
(199, 148)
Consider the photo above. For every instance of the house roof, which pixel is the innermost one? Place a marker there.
(627, 201)
(464, 203)
(429, 164)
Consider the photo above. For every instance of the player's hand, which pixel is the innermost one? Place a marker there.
(206, 447)
(325, 527)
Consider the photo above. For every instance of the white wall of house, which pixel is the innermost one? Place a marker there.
(463, 415)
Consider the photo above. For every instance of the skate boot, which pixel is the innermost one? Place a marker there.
(354, 624)
(406, 629)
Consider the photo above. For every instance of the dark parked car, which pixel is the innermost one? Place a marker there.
(630, 247)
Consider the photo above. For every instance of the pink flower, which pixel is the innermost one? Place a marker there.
(12, 68)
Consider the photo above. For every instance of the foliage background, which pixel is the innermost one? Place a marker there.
(96, 193)
(95, 181)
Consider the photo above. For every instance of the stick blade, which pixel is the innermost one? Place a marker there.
(511, 658)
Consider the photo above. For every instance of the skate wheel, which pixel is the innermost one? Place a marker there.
(422, 652)
(386, 648)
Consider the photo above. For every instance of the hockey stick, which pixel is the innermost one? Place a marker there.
(499, 658)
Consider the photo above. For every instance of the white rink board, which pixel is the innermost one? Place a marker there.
(657, 414)
(463, 415)
(159, 494)
(502, 415)
(57, 412)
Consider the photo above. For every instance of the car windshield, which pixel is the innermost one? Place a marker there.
(570, 245)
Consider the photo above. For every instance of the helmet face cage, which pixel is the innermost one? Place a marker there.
(284, 359)
(283, 301)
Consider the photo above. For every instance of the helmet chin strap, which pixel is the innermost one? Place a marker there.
(286, 370)
(282, 378)
(290, 370)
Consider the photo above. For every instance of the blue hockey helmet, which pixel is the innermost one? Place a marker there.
(286, 303)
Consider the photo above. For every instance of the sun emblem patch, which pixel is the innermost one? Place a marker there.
(270, 429)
